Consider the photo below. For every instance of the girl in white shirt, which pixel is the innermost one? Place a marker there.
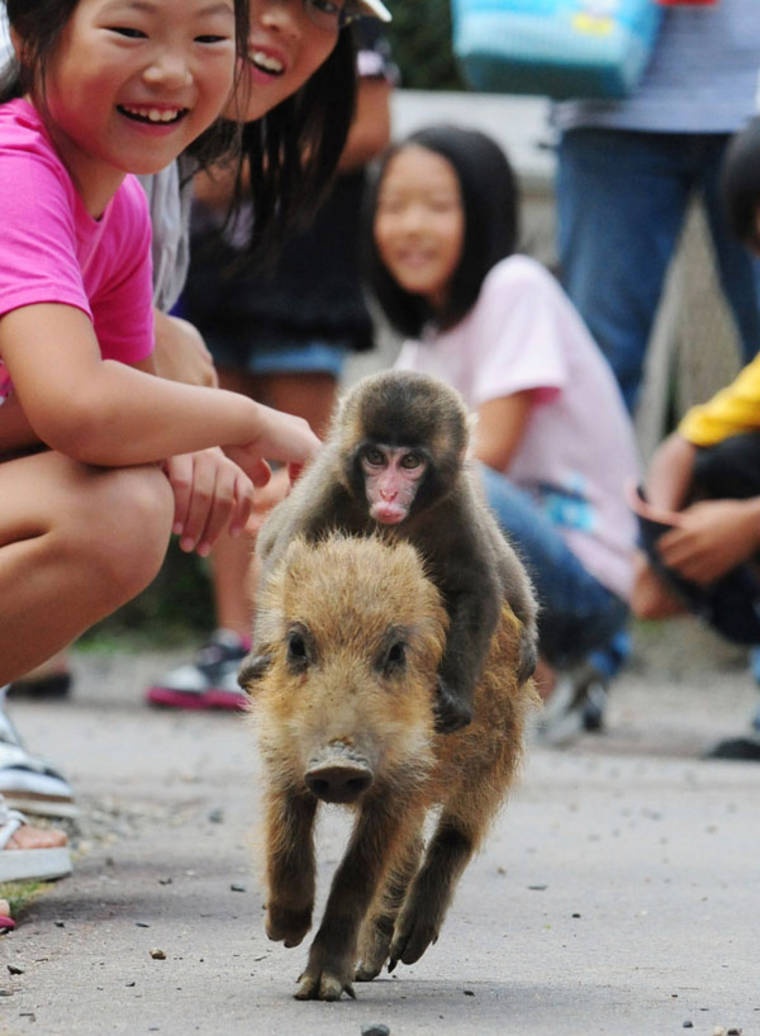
(552, 437)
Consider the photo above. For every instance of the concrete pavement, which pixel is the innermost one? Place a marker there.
(618, 894)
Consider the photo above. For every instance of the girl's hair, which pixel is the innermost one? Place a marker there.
(490, 204)
(39, 24)
(291, 153)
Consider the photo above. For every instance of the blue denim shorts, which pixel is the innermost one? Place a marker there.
(295, 357)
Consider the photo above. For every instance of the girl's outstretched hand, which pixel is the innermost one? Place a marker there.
(282, 437)
(211, 493)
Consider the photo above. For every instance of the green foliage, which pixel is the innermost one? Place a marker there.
(420, 36)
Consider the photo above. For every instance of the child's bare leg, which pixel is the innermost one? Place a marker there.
(650, 597)
(75, 544)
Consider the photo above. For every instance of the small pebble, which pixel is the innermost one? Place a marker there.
(157, 954)
(14, 969)
(237, 888)
(376, 1030)
(688, 1025)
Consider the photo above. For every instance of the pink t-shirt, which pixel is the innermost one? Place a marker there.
(578, 449)
(52, 250)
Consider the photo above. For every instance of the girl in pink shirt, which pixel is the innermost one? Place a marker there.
(99, 459)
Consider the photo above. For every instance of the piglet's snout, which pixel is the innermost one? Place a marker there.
(338, 774)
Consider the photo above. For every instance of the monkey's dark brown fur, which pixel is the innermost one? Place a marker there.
(353, 633)
(468, 558)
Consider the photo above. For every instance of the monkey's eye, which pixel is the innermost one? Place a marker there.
(299, 649)
(374, 456)
(412, 460)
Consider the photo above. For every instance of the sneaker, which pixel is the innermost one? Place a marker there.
(42, 688)
(208, 683)
(577, 704)
(741, 749)
(594, 706)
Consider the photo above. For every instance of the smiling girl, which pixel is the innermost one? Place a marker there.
(99, 459)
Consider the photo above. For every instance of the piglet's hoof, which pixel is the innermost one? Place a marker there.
(287, 926)
(451, 713)
(322, 985)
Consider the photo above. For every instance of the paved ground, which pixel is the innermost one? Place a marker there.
(618, 894)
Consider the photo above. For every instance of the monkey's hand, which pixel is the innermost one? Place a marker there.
(527, 656)
(451, 712)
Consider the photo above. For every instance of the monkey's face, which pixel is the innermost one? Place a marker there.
(392, 476)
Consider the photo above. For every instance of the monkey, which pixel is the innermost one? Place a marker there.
(395, 461)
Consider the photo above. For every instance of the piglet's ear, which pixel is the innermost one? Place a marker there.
(253, 668)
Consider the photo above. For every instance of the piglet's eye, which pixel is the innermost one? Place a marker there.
(298, 651)
(393, 661)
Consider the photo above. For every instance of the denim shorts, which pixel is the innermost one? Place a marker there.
(295, 357)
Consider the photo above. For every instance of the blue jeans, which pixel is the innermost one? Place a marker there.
(621, 201)
(577, 613)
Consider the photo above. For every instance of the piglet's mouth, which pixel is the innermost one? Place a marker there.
(154, 116)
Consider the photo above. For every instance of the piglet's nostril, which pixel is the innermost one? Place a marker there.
(339, 783)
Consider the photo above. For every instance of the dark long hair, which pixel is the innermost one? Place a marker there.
(490, 203)
(292, 152)
(39, 24)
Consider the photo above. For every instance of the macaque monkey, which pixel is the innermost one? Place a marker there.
(395, 462)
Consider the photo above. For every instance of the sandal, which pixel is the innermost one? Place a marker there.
(28, 782)
(7, 924)
(43, 864)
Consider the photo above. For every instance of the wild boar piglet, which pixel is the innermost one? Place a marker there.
(351, 635)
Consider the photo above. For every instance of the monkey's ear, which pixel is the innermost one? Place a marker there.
(254, 667)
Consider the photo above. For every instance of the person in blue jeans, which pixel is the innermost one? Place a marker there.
(626, 173)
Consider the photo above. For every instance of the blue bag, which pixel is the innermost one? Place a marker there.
(555, 48)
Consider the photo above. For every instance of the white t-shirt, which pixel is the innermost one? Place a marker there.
(578, 450)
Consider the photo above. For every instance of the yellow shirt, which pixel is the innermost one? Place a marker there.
(733, 410)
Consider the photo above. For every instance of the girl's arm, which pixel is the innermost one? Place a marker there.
(500, 428)
(106, 413)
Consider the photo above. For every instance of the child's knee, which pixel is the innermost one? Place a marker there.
(126, 531)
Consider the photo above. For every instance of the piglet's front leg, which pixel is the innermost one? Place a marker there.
(290, 866)
(332, 957)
